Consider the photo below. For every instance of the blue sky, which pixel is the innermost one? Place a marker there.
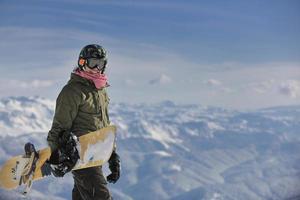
(236, 54)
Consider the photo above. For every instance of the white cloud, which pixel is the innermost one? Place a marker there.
(129, 82)
(161, 80)
(216, 86)
(213, 82)
(131, 63)
(37, 84)
(290, 88)
(263, 86)
(32, 84)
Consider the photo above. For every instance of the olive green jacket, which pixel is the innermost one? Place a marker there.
(80, 108)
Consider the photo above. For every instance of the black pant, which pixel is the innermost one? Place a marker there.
(90, 184)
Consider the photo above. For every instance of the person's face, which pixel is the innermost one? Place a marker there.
(92, 71)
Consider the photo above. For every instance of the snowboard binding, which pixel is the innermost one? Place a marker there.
(66, 156)
(24, 172)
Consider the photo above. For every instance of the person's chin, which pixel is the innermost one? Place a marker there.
(94, 71)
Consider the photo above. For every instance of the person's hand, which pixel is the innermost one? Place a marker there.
(115, 168)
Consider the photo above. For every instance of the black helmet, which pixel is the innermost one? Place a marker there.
(92, 56)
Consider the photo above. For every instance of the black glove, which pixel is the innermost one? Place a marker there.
(63, 159)
(115, 167)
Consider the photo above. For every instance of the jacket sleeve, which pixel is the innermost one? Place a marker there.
(67, 105)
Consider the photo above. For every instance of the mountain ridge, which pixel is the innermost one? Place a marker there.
(177, 152)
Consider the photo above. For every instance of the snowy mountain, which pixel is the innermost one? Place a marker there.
(176, 152)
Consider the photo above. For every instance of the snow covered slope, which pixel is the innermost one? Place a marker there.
(176, 152)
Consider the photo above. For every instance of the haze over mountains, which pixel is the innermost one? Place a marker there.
(175, 152)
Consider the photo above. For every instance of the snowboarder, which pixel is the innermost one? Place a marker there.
(82, 107)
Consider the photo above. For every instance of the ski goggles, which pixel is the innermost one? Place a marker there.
(96, 63)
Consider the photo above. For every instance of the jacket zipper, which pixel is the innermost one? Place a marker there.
(95, 103)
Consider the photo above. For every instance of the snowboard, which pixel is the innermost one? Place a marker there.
(94, 148)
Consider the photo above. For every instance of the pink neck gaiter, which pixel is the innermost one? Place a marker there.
(99, 80)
